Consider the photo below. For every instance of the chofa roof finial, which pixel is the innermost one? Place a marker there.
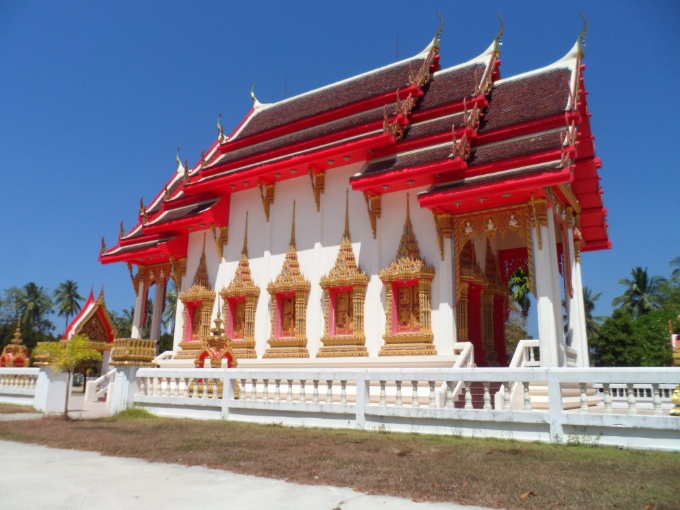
(220, 129)
(499, 37)
(256, 102)
(582, 38)
(437, 36)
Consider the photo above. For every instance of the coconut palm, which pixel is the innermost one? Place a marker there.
(593, 322)
(642, 295)
(35, 304)
(67, 299)
(676, 264)
(519, 292)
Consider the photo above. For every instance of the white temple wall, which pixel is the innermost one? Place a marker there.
(318, 237)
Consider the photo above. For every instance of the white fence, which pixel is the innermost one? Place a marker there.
(18, 385)
(405, 400)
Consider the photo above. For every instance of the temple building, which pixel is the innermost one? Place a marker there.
(379, 219)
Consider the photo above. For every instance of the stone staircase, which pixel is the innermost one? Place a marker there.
(477, 392)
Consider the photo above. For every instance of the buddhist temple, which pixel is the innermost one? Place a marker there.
(378, 219)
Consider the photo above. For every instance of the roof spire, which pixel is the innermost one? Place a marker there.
(256, 102)
(17, 333)
(437, 36)
(220, 129)
(292, 230)
(179, 161)
(244, 251)
(346, 234)
(499, 38)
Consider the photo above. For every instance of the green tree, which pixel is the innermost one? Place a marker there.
(593, 322)
(170, 308)
(35, 305)
(67, 299)
(518, 284)
(124, 322)
(642, 295)
(68, 357)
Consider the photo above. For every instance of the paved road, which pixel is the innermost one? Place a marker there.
(34, 476)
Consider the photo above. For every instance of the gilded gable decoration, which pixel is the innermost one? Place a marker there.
(240, 303)
(198, 303)
(289, 296)
(408, 287)
(344, 296)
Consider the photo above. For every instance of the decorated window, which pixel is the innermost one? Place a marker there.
(198, 303)
(344, 294)
(240, 301)
(289, 295)
(408, 289)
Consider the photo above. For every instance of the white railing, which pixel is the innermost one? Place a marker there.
(466, 359)
(524, 357)
(572, 356)
(96, 388)
(163, 356)
(360, 398)
(18, 385)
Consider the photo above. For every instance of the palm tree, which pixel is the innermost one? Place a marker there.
(519, 292)
(642, 294)
(35, 304)
(676, 264)
(68, 357)
(593, 322)
(170, 309)
(67, 299)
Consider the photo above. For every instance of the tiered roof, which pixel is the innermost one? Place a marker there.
(474, 139)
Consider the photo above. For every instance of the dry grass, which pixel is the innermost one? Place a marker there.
(15, 409)
(490, 473)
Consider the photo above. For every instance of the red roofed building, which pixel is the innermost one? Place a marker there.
(381, 217)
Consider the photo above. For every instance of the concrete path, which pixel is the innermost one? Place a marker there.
(34, 476)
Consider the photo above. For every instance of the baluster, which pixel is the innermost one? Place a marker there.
(383, 394)
(632, 407)
(142, 385)
(468, 395)
(432, 403)
(315, 391)
(449, 395)
(253, 390)
(343, 392)
(277, 390)
(506, 397)
(216, 388)
(584, 398)
(607, 398)
(527, 396)
(414, 394)
(191, 387)
(398, 401)
(302, 396)
(172, 386)
(244, 390)
(289, 397)
(164, 386)
(656, 400)
(182, 387)
(487, 396)
(265, 390)
(329, 392)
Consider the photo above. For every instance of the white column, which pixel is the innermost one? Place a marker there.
(575, 305)
(157, 317)
(546, 274)
(137, 318)
(446, 318)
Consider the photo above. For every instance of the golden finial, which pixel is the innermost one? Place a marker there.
(220, 129)
(582, 38)
(252, 94)
(437, 36)
(122, 230)
(408, 207)
(292, 230)
(179, 161)
(17, 333)
(346, 234)
(244, 251)
(103, 250)
(186, 171)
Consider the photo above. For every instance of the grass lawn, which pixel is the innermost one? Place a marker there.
(15, 409)
(486, 472)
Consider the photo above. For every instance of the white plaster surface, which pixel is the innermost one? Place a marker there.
(34, 476)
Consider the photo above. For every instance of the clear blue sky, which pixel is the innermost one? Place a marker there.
(95, 97)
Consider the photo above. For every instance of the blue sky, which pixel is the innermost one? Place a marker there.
(95, 97)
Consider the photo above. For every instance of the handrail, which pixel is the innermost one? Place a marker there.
(466, 359)
(91, 395)
(164, 356)
(524, 354)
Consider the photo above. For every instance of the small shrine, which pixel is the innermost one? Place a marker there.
(15, 354)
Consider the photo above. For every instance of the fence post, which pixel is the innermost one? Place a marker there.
(555, 407)
(50, 391)
(228, 384)
(363, 399)
(124, 388)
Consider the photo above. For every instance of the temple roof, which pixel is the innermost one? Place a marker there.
(94, 321)
(411, 124)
